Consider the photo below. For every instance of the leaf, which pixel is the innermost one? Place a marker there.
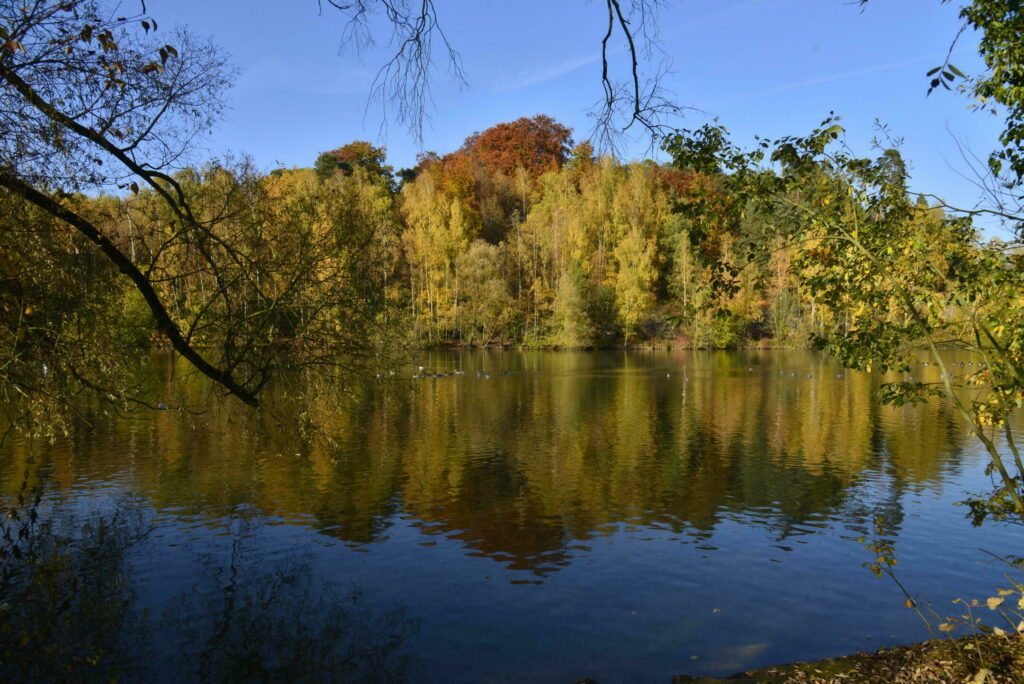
(145, 25)
(981, 676)
(994, 602)
(834, 131)
(934, 71)
(909, 603)
(945, 627)
(135, 187)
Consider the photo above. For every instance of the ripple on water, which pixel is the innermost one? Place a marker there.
(619, 516)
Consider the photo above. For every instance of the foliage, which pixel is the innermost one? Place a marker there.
(897, 279)
(68, 324)
(538, 144)
(571, 322)
(592, 252)
(357, 154)
(986, 649)
(291, 271)
(93, 103)
(1001, 24)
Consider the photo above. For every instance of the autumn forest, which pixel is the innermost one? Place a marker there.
(627, 401)
(520, 237)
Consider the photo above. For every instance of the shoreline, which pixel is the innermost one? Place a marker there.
(659, 345)
(978, 658)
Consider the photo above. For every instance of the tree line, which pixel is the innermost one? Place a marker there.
(109, 242)
(520, 237)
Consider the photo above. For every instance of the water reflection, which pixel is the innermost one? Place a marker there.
(73, 610)
(249, 620)
(553, 518)
(559, 447)
(66, 594)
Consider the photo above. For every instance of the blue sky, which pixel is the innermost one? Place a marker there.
(769, 67)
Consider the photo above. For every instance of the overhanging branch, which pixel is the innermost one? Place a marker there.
(142, 284)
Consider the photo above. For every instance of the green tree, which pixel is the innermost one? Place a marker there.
(484, 306)
(634, 285)
(570, 320)
(88, 101)
(902, 281)
(358, 154)
(1001, 25)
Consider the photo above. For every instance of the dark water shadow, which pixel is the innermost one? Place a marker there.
(72, 611)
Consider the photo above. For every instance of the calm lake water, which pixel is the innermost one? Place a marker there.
(619, 516)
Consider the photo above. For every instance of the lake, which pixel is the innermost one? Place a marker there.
(540, 516)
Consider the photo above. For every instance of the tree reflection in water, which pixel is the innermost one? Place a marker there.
(66, 592)
(494, 510)
(250, 623)
(72, 612)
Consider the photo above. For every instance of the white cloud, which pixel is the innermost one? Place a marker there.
(271, 73)
(545, 74)
(820, 80)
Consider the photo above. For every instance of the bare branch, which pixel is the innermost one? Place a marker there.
(401, 85)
